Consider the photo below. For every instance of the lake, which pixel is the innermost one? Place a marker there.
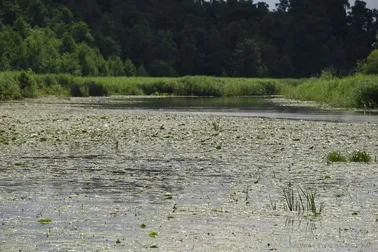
(100, 174)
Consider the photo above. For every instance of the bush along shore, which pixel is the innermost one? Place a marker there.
(357, 91)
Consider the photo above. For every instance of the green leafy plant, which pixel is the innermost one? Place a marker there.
(28, 84)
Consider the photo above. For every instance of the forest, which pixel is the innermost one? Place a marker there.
(171, 38)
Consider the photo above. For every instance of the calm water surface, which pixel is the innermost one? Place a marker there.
(99, 178)
(237, 106)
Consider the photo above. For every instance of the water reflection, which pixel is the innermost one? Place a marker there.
(233, 106)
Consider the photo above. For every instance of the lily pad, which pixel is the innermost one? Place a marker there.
(153, 234)
(44, 221)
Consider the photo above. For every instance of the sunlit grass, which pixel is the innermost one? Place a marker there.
(358, 91)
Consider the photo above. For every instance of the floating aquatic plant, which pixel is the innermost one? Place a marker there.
(44, 221)
(153, 234)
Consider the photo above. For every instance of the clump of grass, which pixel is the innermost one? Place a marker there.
(336, 156)
(216, 126)
(360, 156)
(301, 200)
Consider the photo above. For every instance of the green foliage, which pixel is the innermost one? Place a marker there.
(375, 44)
(358, 91)
(141, 71)
(69, 63)
(130, 69)
(371, 64)
(81, 33)
(246, 59)
(42, 52)
(27, 84)
(360, 156)
(116, 66)
(217, 38)
(9, 88)
(4, 63)
(354, 156)
(68, 44)
(21, 27)
(161, 68)
(87, 59)
(336, 156)
(326, 74)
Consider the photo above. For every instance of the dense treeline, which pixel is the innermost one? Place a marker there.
(187, 37)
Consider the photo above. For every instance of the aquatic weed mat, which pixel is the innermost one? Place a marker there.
(87, 179)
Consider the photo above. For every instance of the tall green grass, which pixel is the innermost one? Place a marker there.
(61, 84)
(357, 91)
(186, 86)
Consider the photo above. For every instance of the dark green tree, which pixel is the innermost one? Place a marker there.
(130, 69)
(116, 66)
(246, 59)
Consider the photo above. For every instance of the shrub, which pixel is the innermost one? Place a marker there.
(142, 71)
(371, 64)
(79, 90)
(95, 89)
(27, 84)
(366, 94)
(9, 89)
(130, 69)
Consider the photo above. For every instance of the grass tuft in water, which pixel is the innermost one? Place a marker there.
(360, 156)
(216, 126)
(301, 200)
(336, 156)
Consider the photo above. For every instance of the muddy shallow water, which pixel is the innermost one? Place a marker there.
(201, 182)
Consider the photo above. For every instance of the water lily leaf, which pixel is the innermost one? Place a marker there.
(153, 234)
(44, 221)
(168, 196)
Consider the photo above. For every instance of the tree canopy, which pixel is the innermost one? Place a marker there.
(299, 38)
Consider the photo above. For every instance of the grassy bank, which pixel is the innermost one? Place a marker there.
(357, 91)
(15, 85)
